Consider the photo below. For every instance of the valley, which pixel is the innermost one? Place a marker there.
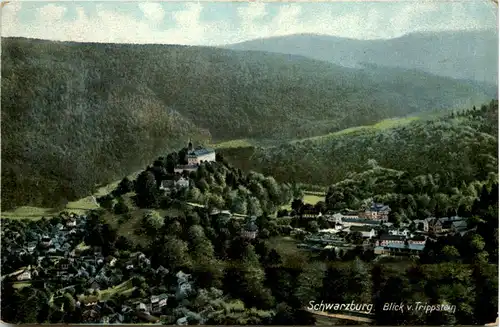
(187, 184)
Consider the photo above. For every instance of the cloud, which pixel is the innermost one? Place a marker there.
(156, 22)
(152, 11)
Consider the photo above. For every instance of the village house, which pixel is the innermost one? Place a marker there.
(167, 185)
(422, 225)
(31, 247)
(434, 226)
(366, 231)
(400, 232)
(359, 222)
(181, 182)
(184, 286)
(182, 277)
(445, 224)
(158, 302)
(142, 307)
(399, 249)
(376, 211)
(189, 168)
(46, 241)
(418, 240)
(249, 231)
(71, 222)
(25, 275)
(387, 239)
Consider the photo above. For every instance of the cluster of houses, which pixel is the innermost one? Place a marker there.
(60, 257)
(49, 247)
(373, 226)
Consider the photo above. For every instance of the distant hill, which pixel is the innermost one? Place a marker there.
(471, 55)
(459, 148)
(79, 114)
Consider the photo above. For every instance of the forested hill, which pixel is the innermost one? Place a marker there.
(460, 147)
(459, 54)
(76, 114)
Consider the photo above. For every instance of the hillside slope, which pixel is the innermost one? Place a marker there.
(469, 55)
(77, 114)
(461, 148)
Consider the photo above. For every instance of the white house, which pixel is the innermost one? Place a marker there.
(418, 240)
(366, 232)
(71, 222)
(25, 275)
(182, 277)
(399, 232)
(182, 183)
(182, 321)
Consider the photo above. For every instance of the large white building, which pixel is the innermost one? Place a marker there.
(199, 155)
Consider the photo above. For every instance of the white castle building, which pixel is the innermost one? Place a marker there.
(199, 155)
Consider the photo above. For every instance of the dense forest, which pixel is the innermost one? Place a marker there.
(248, 281)
(76, 115)
(460, 147)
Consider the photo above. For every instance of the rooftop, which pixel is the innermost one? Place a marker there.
(200, 152)
(379, 207)
(418, 247)
(361, 229)
(360, 220)
(391, 237)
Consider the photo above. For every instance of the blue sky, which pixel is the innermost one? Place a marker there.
(217, 23)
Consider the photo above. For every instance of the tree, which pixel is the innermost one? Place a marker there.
(297, 205)
(176, 254)
(146, 190)
(125, 186)
(359, 282)
(195, 195)
(310, 282)
(312, 227)
(450, 253)
(120, 207)
(284, 315)
(356, 237)
(239, 205)
(214, 201)
(253, 207)
(105, 201)
(152, 221)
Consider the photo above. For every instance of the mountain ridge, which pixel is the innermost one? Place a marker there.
(79, 114)
(448, 53)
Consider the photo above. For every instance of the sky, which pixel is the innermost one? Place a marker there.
(220, 23)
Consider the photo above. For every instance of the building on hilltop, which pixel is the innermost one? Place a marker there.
(197, 155)
(194, 157)
(200, 155)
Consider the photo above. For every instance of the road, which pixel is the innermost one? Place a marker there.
(340, 316)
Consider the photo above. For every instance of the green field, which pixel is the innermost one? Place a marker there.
(78, 207)
(240, 143)
(384, 124)
(309, 197)
(124, 288)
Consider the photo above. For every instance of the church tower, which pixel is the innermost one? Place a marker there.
(190, 145)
